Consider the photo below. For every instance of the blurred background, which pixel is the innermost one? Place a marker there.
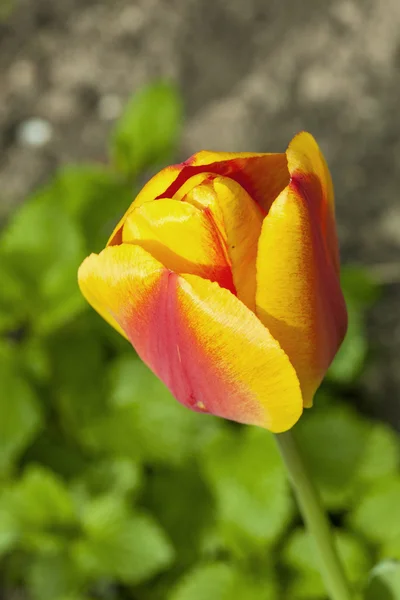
(109, 489)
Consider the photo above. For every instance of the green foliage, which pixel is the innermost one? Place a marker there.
(111, 490)
(247, 477)
(139, 405)
(43, 246)
(360, 291)
(147, 132)
(117, 543)
(334, 440)
(377, 514)
(221, 581)
(381, 456)
(384, 583)
(184, 507)
(6, 9)
(301, 556)
(21, 415)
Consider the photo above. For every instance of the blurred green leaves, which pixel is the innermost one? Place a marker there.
(43, 246)
(384, 582)
(377, 514)
(334, 440)
(247, 477)
(142, 420)
(301, 556)
(21, 417)
(147, 132)
(360, 292)
(111, 490)
(118, 544)
(221, 581)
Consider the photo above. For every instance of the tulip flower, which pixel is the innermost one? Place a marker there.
(224, 276)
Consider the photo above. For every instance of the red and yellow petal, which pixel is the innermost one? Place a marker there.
(110, 279)
(310, 175)
(239, 220)
(153, 189)
(298, 297)
(208, 348)
(182, 237)
(263, 176)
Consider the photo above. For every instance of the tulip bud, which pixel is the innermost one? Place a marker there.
(224, 276)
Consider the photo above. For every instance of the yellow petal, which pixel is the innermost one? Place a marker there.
(107, 281)
(182, 237)
(310, 175)
(153, 188)
(298, 290)
(239, 220)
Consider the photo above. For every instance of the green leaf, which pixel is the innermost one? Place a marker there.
(301, 555)
(77, 596)
(44, 247)
(349, 361)
(53, 578)
(148, 130)
(78, 377)
(360, 291)
(6, 9)
(382, 454)
(184, 507)
(9, 527)
(121, 475)
(246, 474)
(145, 421)
(57, 453)
(34, 359)
(221, 581)
(376, 514)
(334, 440)
(359, 286)
(390, 548)
(384, 582)
(40, 500)
(118, 544)
(12, 299)
(95, 197)
(21, 416)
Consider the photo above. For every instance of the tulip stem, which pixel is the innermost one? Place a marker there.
(315, 518)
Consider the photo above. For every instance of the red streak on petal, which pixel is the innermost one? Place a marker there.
(309, 187)
(227, 168)
(225, 279)
(163, 344)
(326, 254)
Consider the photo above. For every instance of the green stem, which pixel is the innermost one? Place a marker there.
(315, 518)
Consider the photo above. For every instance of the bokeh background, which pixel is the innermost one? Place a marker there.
(251, 75)
(95, 457)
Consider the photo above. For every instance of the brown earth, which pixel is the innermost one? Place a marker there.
(252, 73)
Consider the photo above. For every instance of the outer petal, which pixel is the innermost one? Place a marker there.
(310, 174)
(108, 282)
(207, 347)
(182, 237)
(239, 220)
(298, 291)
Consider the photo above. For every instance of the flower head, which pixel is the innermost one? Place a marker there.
(224, 275)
